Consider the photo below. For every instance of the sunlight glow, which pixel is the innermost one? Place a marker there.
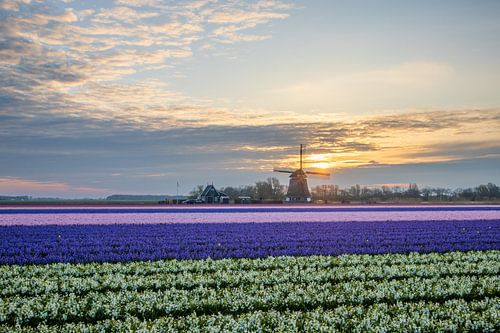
(318, 157)
(322, 165)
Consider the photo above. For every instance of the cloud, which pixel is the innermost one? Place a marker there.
(233, 15)
(58, 60)
(19, 186)
(12, 5)
(390, 138)
(430, 120)
(89, 150)
(138, 3)
(458, 150)
(68, 16)
(235, 21)
(120, 13)
(175, 27)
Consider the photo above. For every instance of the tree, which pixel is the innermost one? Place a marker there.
(413, 191)
(377, 193)
(468, 194)
(344, 195)
(441, 193)
(278, 189)
(196, 192)
(366, 192)
(269, 189)
(355, 191)
(232, 192)
(426, 193)
(319, 193)
(247, 191)
(263, 190)
(482, 191)
(386, 192)
(326, 193)
(494, 190)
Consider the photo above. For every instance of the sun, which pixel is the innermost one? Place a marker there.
(319, 161)
(321, 165)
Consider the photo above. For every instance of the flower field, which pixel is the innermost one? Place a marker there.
(117, 242)
(293, 268)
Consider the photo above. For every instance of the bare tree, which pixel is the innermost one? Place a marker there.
(195, 192)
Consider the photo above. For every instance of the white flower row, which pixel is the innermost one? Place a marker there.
(430, 292)
(104, 280)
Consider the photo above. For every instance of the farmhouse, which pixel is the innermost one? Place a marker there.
(210, 195)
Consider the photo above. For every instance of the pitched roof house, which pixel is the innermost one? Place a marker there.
(210, 195)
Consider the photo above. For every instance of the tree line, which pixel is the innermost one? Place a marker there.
(330, 193)
(272, 190)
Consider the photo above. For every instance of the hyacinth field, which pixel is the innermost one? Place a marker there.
(281, 268)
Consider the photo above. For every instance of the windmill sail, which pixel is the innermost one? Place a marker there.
(282, 170)
(318, 173)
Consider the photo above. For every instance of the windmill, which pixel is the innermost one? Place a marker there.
(298, 191)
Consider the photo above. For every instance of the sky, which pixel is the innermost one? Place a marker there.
(135, 96)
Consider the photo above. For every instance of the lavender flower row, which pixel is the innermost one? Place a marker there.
(118, 243)
(247, 217)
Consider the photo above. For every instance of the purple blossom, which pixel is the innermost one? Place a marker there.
(126, 242)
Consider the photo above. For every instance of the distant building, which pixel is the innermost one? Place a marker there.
(19, 198)
(210, 195)
(243, 200)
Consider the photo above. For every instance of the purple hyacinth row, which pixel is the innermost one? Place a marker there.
(119, 242)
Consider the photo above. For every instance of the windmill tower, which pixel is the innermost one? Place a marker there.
(298, 190)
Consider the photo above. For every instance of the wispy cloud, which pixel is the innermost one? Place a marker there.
(61, 59)
(19, 186)
(12, 5)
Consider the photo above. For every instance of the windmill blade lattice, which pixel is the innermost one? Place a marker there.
(282, 170)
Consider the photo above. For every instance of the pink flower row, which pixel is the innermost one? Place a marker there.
(256, 217)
